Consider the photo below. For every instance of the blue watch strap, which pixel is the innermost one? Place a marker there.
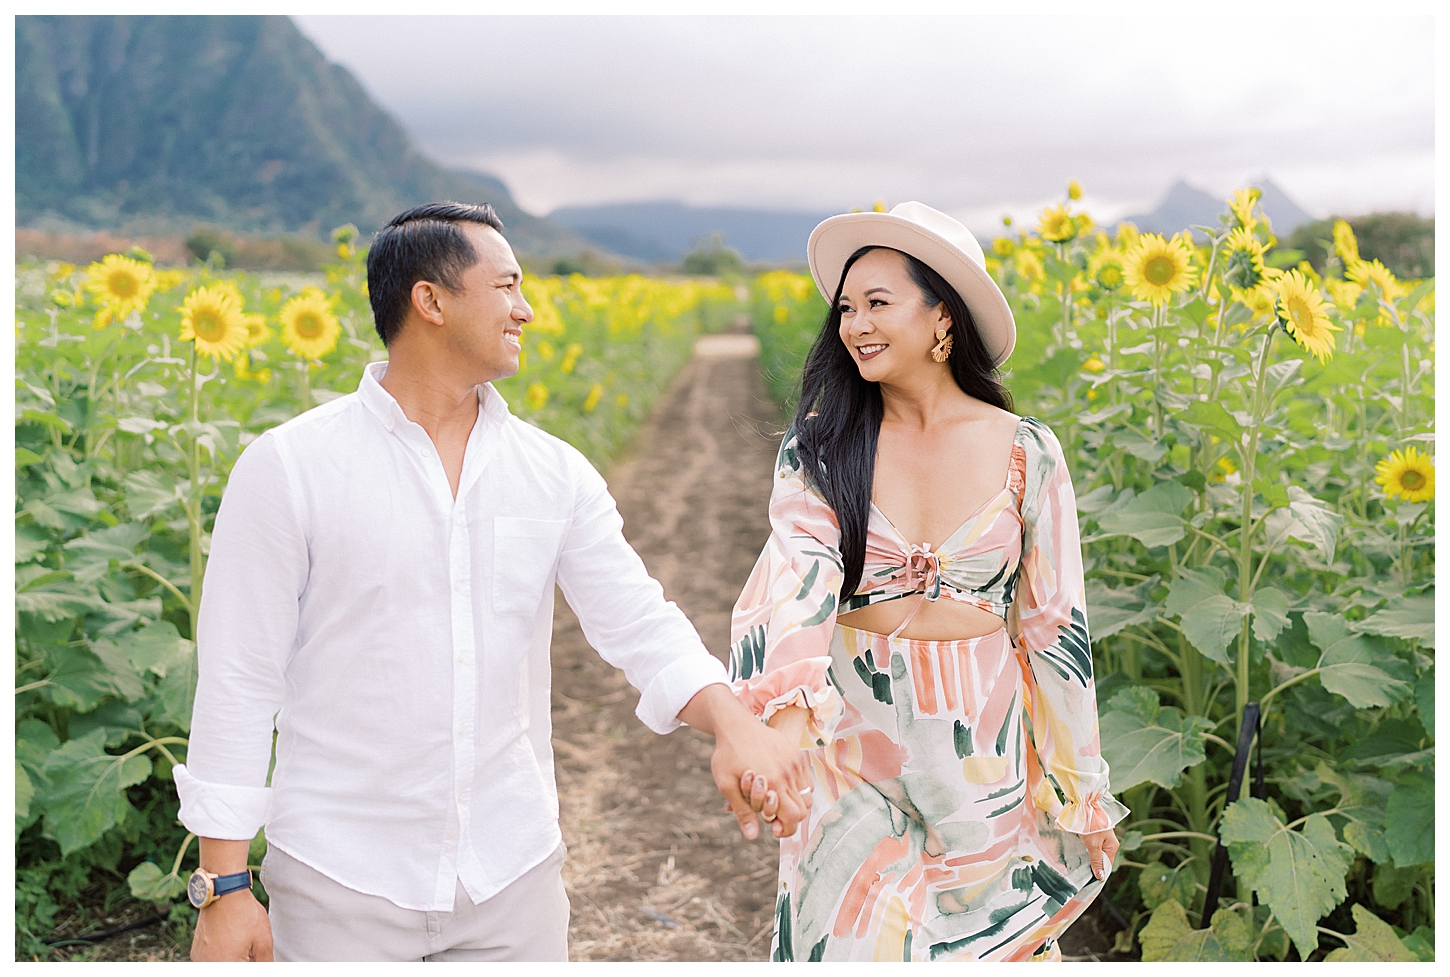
(223, 884)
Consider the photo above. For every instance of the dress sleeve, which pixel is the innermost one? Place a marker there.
(1052, 611)
(780, 631)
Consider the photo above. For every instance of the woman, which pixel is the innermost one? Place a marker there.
(959, 804)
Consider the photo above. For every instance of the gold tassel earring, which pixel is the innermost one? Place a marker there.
(943, 347)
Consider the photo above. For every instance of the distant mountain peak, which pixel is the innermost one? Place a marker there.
(1185, 205)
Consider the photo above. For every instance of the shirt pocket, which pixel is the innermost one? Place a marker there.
(525, 552)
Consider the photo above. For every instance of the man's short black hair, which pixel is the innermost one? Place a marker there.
(422, 244)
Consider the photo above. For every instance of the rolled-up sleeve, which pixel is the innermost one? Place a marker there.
(247, 626)
(623, 610)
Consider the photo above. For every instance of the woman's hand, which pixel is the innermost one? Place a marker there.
(1102, 847)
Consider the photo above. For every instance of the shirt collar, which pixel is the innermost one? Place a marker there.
(385, 407)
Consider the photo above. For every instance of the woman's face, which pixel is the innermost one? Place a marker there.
(885, 325)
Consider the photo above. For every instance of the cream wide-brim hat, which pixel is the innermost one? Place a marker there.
(941, 242)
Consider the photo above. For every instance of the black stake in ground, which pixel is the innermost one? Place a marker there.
(1248, 733)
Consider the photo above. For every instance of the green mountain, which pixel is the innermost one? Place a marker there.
(158, 122)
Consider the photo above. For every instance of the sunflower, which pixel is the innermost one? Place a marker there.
(1106, 269)
(1094, 364)
(1305, 314)
(536, 396)
(1002, 247)
(1127, 235)
(1243, 260)
(1074, 190)
(309, 327)
(1344, 243)
(242, 367)
(1241, 204)
(121, 285)
(1057, 225)
(1345, 294)
(1029, 266)
(257, 331)
(1408, 474)
(1365, 273)
(1155, 269)
(211, 317)
(571, 356)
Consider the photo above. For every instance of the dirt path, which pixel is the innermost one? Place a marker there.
(657, 869)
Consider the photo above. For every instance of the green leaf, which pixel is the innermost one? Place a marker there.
(1392, 885)
(89, 557)
(150, 493)
(1271, 613)
(1299, 874)
(1362, 802)
(25, 457)
(1211, 414)
(1151, 518)
(88, 791)
(1409, 616)
(1143, 741)
(1410, 819)
(1149, 449)
(1168, 925)
(79, 680)
(149, 884)
(1314, 523)
(177, 689)
(153, 648)
(1347, 666)
(1372, 942)
(1110, 611)
(30, 542)
(1159, 883)
(1279, 374)
(55, 598)
(1425, 699)
(122, 674)
(24, 792)
(1212, 626)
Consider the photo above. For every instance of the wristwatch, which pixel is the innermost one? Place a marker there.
(204, 888)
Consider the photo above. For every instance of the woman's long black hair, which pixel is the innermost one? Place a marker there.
(839, 416)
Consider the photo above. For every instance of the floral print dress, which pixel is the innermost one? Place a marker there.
(951, 779)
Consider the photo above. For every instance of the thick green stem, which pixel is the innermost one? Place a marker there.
(1246, 527)
(193, 506)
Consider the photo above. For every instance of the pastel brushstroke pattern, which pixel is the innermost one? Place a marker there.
(940, 829)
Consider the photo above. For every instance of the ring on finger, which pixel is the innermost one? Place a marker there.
(768, 817)
(805, 791)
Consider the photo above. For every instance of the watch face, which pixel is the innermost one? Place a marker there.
(196, 889)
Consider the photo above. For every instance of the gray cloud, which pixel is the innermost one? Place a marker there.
(973, 114)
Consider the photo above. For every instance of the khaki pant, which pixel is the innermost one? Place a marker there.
(316, 918)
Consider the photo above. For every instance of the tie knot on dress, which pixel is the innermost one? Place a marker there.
(923, 568)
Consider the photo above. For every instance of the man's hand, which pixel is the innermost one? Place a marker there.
(744, 744)
(1101, 846)
(235, 926)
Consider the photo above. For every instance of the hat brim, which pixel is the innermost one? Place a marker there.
(837, 238)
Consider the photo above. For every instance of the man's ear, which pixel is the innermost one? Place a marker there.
(425, 302)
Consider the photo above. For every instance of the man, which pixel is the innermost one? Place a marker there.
(381, 587)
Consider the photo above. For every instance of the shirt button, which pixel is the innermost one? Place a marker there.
(463, 659)
(458, 587)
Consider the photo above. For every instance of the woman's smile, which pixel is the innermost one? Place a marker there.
(866, 352)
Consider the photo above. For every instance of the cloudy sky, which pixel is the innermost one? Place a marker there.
(975, 115)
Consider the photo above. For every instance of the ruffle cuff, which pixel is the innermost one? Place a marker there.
(1095, 812)
(801, 683)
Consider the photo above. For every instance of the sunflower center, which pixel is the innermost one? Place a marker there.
(123, 284)
(308, 325)
(209, 326)
(1412, 480)
(1159, 270)
(1302, 315)
(1111, 275)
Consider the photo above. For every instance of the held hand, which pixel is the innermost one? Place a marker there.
(1102, 846)
(235, 927)
(743, 744)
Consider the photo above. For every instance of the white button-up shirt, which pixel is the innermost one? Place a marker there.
(400, 638)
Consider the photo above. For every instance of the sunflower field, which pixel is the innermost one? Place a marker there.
(136, 389)
(1252, 447)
